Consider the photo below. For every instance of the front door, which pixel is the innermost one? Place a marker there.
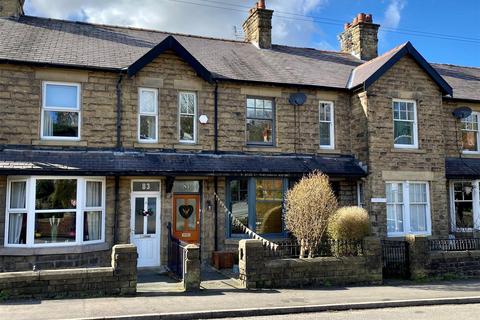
(186, 217)
(146, 227)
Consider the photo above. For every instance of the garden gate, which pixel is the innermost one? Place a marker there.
(395, 257)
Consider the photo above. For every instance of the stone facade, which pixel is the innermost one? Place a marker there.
(11, 8)
(118, 279)
(405, 80)
(258, 270)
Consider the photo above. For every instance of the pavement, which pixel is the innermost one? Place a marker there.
(160, 297)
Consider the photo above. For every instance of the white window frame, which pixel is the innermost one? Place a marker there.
(415, 125)
(194, 141)
(60, 109)
(331, 145)
(478, 135)
(79, 211)
(476, 206)
(406, 210)
(150, 114)
(360, 197)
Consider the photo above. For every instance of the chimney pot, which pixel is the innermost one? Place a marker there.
(261, 4)
(360, 38)
(369, 18)
(346, 26)
(361, 17)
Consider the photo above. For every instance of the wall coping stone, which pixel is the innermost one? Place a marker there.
(11, 251)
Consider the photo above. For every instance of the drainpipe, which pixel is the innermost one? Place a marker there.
(215, 181)
(118, 148)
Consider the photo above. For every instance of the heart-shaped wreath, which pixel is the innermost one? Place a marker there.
(185, 211)
(146, 213)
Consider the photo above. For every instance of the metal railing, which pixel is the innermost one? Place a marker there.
(176, 254)
(454, 244)
(290, 248)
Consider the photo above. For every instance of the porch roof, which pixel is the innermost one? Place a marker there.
(43, 162)
(459, 168)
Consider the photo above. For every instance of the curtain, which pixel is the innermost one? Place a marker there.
(48, 124)
(17, 201)
(94, 222)
(94, 218)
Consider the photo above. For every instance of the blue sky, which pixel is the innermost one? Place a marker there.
(292, 24)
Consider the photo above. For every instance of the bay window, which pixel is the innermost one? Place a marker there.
(55, 211)
(465, 206)
(327, 129)
(405, 124)
(257, 203)
(147, 115)
(408, 208)
(60, 118)
(470, 133)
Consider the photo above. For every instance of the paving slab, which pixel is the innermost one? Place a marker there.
(227, 297)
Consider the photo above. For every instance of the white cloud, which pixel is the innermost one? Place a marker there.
(393, 14)
(178, 16)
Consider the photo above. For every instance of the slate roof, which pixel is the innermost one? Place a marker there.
(75, 44)
(462, 168)
(19, 162)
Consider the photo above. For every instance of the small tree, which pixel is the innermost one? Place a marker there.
(309, 206)
(349, 223)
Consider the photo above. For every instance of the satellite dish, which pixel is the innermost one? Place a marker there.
(462, 112)
(297, 99)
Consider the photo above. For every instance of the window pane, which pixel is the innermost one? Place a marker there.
(394, 193)
(56, 194)
(148, 128)
(259, 131)
(186, 128)
(187, 103)
(418, 217)
(147, 101)
(61, 96)
(92, 225)
(469, 140)
(55, 227)
(269, 217)
(151, 219)
(60, 124)
(403, 132)
(269, 197)
(94, 194)
(18, 194)
(186, 214)
(464, 214)
(139, 216)
(239, 201)
(324, 133)
(146, 186)
(17, 228)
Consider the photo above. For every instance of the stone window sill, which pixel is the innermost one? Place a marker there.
(328, 151)
(406, 150)
(470, 155)
(257, 148)
(10, 251)
(59, 143)
(188, 146)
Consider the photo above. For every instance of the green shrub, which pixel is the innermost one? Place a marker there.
(349, 223)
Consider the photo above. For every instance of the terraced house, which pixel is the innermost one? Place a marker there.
(108, 134)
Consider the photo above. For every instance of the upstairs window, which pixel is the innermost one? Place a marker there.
(470, 133)
(60, 111)
(260, 121)
(405, 124)
(147, 115)
(326, 125)
(188, 114)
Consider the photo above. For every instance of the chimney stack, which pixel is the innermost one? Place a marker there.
(360, 37)
(258, 26)
(11, 8)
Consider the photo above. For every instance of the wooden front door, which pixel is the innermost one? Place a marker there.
(186, 217)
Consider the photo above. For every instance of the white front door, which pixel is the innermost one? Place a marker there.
(145, 226)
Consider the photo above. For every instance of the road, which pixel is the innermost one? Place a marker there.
(447, 312)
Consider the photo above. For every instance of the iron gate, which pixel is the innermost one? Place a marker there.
(395, 259)
(176, 254)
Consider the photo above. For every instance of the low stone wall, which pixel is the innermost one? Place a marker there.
(118, 279)
(260, 271)
(11, 263)
(427, 263)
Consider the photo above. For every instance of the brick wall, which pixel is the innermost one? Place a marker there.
(259, 271)
(118, 279)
